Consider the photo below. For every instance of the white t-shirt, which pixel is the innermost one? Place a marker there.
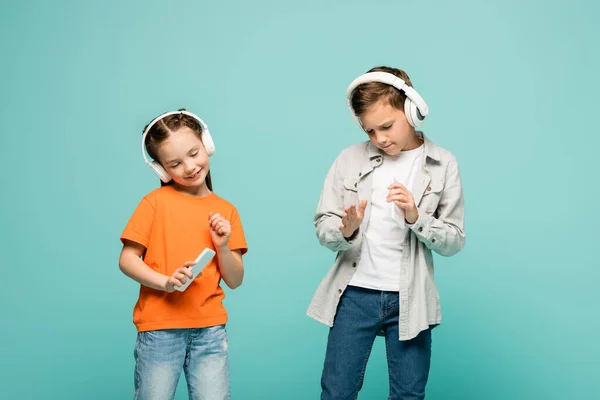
(381, 253)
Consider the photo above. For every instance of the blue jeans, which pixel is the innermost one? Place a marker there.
(201, 353)
(362, 315)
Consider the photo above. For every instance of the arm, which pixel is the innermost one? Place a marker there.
(134, 267)
(230, 261)
(335, 225)
(231, 266)
(444, 234)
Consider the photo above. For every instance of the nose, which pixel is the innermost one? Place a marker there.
(380, 139)
(189, 167)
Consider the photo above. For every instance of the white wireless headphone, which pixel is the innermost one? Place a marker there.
(207, 141)
(415, 107)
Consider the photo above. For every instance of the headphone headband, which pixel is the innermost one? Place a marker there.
(207, 141)
(392, 80)
(155, 120)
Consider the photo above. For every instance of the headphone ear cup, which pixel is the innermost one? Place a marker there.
(414, 117)
(408, 112)
(160, 171)
(208, 143)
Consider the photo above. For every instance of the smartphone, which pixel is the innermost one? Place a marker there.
(203, 259)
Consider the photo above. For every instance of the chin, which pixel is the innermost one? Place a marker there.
(393, 151)
(186, 183)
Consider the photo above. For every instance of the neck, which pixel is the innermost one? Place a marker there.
(195, 191)
(414, 142)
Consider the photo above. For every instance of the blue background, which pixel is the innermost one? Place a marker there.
(513, 92)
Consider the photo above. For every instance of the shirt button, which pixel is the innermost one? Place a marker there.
(360, 174)
(354, 184)
(428, 188)
(353, 265)
(340, 291)
(432, 240)
(421, 229)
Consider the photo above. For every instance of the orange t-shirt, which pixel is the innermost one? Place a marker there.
(174, 229)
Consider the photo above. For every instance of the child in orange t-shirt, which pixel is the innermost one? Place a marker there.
(171, 226)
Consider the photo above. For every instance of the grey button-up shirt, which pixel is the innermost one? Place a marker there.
(437, 191)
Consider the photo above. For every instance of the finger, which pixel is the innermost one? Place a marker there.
(216, 217)
(396, 197)
(175, 282)
(404, 189)
(402, 197)
(403, 205)
(187, 271)
(188, 264)
(398, 191)
(353, 212)
(222, 220)
(397, 186)
(398, 194)
(223, 224)
(214, 224)
(363, 206)
(182, 278)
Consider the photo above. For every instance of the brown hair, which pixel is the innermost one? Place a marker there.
(164, 127)
(367, 94)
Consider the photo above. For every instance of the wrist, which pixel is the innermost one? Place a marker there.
(412, 217)
(221, 249)
(351, 235)
(164, 283)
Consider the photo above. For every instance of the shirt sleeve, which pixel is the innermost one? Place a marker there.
(444, 233)
(330, 210)
(139, 226)
(237, 240)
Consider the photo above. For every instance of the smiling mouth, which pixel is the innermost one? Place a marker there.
(192, 177)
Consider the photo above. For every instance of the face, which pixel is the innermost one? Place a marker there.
(388, 129)
(184, 158)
